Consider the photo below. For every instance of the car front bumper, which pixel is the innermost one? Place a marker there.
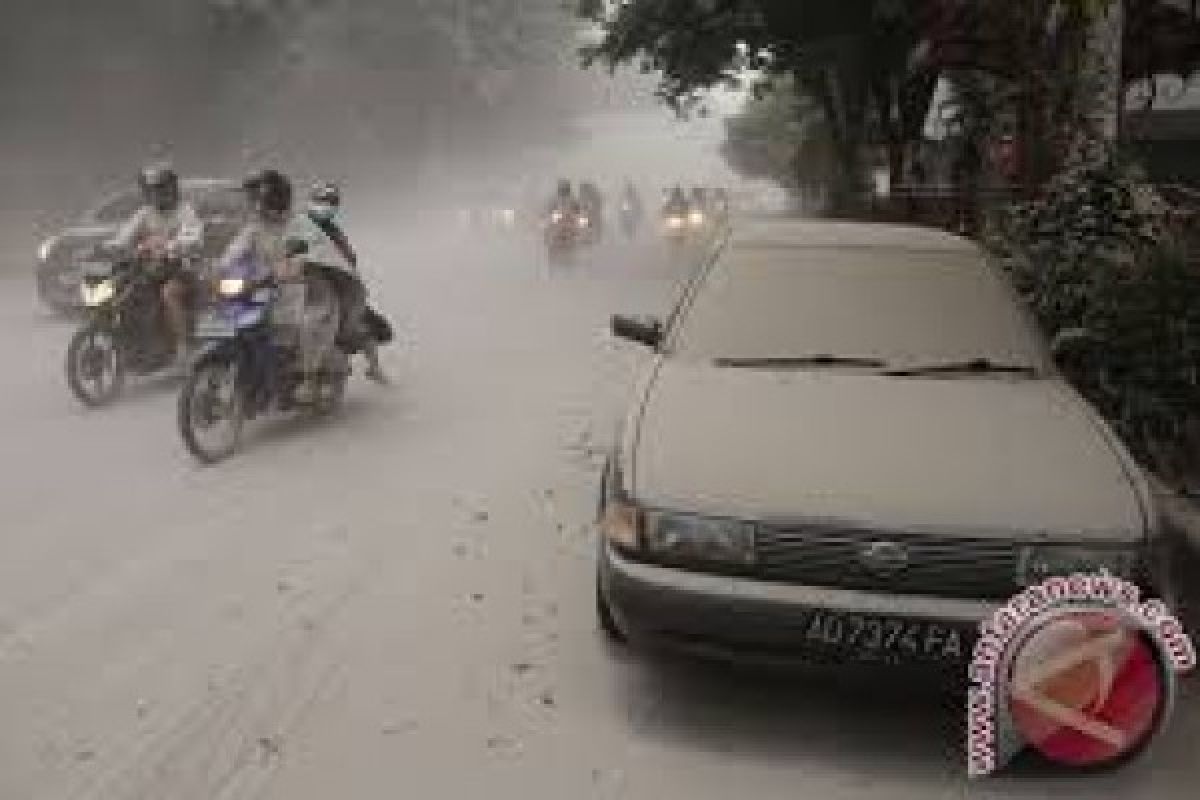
(744, 619)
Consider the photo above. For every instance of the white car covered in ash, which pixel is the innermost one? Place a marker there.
(851, 443)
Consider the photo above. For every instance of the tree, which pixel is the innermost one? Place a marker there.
(781, 136)
(851, 57)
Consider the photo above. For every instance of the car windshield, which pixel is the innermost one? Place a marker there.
(824, 307)
(116, 209)
(229, 202)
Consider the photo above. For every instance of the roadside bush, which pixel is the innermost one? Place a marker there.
(1096, 262)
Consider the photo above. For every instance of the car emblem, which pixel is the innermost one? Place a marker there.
(883, 557)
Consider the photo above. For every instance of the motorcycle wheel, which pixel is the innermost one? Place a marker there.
(331, 391)
(95, 366)
(212, 411)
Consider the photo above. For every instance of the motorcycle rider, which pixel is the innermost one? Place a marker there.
(320, 222)
(563, 201)
(592, 203)
(676, 204)
(263, 243)
(166, 232)
(631, 207)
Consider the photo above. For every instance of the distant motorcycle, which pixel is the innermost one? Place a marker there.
(565, 231)
(126, 329)
(631, 219)
(675, 226)
(243, 372)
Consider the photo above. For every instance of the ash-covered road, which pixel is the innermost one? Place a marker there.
(399, 603)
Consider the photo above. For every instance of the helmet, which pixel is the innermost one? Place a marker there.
(324, 200)
(160, 186)
(270, 192)
(564, 188)
(326, 193)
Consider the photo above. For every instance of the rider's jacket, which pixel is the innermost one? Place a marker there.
(181, 228)
(262, 244)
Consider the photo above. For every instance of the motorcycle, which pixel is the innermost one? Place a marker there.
(675, 226)
(243, 371)
(565, 232)
(126, 330)
(631, 219)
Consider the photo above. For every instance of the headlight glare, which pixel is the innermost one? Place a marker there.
(1037, 563)
(45, 250)
(96, 294)
(232, 287)
(688, 537)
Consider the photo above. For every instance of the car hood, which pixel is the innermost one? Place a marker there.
(991, 456)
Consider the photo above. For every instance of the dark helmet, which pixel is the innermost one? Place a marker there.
(564, 188)
(160, 186)
(270, 192)
(325, 193)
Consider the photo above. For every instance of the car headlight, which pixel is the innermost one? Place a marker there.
(674, 223)
(583, 222)
(96, 294)
(231, 287)
(696, 218)
(46, 249)
(556, 217)
(1039, 562)
(693, 538)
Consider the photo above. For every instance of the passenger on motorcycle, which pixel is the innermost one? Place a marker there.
(164, 235)
(319, 225)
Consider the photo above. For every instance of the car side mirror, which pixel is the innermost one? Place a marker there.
(296, 247)
(646, 331)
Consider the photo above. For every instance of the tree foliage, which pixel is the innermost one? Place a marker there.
(781, 136)
(852, 58)
(1095, 261)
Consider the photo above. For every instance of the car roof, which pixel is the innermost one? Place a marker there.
(209, 184)
(784, 232)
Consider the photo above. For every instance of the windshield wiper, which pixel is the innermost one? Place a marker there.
(800, 362)
(974, 366)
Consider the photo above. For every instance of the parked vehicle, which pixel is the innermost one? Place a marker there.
(852, 444)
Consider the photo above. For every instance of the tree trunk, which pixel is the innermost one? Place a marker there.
(1106, 39)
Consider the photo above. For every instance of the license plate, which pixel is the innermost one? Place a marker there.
(215, 327)
(884, 638)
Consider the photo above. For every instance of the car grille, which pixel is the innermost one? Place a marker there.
(945, 566)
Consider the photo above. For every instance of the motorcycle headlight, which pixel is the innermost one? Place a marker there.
(1039, 562)
(693, 538)
(231, 287)
(96, 294)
